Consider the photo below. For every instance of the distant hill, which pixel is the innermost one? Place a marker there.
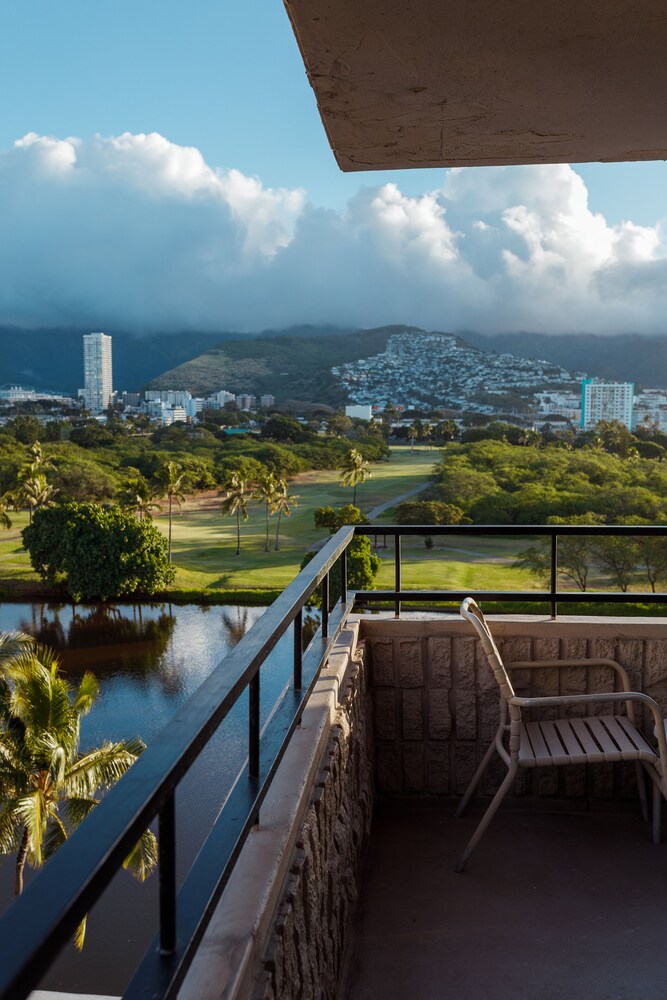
(626, 357)
(53, 358)
(287, 366)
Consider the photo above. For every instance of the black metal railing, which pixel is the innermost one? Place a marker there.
(552, 596)
(44, 918)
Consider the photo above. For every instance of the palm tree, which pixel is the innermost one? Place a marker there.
(37, 492)
(267, 492)
(47, 786)
(282, 506)
(355, 470)
(170, 481)
(138, 495)
(235, 503)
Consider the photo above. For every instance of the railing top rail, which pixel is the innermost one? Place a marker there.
(549, 530)
(47, 913)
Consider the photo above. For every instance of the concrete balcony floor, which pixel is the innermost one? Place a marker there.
(553, 904)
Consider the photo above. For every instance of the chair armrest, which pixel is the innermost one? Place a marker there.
(566, 664)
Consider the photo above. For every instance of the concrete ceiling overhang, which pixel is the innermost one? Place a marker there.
(424, 83)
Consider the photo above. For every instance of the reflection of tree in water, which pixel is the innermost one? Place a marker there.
(235, 624)
(135, 645)
(311, 623)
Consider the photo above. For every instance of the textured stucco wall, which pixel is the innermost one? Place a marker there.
(435, 701)
(305, 951)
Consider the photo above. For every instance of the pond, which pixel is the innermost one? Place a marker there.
(148, 661)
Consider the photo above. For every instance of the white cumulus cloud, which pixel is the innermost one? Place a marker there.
(136, 232)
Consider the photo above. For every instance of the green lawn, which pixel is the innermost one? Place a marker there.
(204, 543)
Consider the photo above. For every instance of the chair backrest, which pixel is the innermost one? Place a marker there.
(473, 613)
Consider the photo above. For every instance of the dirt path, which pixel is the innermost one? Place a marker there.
(381, 508)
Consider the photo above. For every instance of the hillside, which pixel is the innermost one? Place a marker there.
(624, 357)
(52, 358)
(296, 367)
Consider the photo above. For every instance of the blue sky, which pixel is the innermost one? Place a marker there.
(227, 79)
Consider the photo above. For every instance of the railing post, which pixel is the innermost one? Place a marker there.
(397, 575)
(554, 575)
(253, 727)
(343, 577)
(325, 607)
(167, 875)
(298, 650)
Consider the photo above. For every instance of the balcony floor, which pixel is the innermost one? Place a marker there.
(553, 905)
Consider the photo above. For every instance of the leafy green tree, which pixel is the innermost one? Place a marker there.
(170, 483)
(363, 564)
(6, 504)
(355, 470)
(235, 503)
(281, 428)
(98, 552)
(47, 785)
(429, 512)
(620, 556)
(283, 503)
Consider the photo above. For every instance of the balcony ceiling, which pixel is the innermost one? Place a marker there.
(425, 83)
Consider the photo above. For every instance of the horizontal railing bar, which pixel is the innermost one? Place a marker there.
(42, 920)
(562, 530)
(571, 596)
(161, 975)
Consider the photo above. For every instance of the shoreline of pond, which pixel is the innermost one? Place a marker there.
(18, 593)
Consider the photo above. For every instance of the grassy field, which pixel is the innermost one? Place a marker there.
(204, 544)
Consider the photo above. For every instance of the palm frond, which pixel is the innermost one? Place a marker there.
(12, 644)
(86, 694)
(80, 934)
(10, 827)
(56, 835)
(78, 809)
(33, 813)
(143, 857)
(101, 767)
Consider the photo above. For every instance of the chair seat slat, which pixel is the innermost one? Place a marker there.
(645, 750)
(593, 752)
(532, 747)
(556, 749)
(576, 752)
(601, 735)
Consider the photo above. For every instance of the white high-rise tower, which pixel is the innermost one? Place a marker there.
(97, 376)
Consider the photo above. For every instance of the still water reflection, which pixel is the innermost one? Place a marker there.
(148, 661)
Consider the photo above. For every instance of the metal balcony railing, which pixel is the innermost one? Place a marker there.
(44, 918)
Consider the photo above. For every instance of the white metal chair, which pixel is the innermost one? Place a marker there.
(581, 740)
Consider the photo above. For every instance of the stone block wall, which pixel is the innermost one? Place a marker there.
(435, 700)
(305, 951)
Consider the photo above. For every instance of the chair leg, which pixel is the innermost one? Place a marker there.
(657, 805)
(641, 788)
(488, 815)
(475, 780)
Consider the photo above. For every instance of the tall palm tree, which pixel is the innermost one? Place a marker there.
(171, 484)
(138, 495)
(47, 786)
(235, 503)
(266, 491)
(354, 471)
(282, 506)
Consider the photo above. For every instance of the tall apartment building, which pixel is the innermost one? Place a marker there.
(97, 375)
(606, 401)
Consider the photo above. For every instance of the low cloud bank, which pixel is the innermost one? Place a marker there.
(136, 232)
